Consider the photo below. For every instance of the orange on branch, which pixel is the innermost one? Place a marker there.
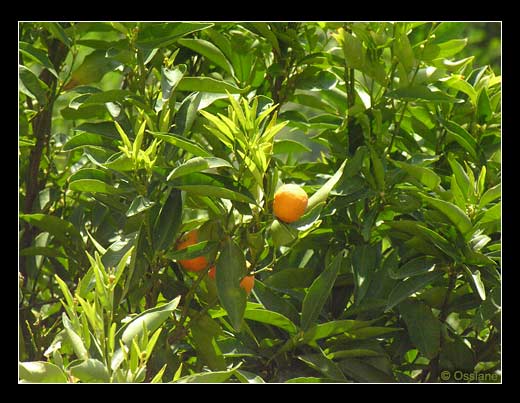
(197, 263)
(290, 202)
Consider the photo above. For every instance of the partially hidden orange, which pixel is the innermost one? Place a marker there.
(247, 283)
(290, 202)
(197, 263)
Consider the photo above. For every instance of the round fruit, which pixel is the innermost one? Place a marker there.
(197, 263)
(248, 283)
(290, 202)
(212, 272)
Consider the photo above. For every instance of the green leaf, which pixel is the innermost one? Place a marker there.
(208, 50)
(323, 192)
(459, 84)
(139, 204)
(318, 293)
(41, 372)
(58, 32)
(293, 277)
(282, 234)
(230, 269)
(107, 96)
(484, 111)
(443, 50)
(362, 371)
(170, 79)
(95, 65)
(327, 329)
(75, 339)
(93, 186)
(41, 251)
(85, 140)
(117, 250)
(352, 50)
(461, 177)
(461, 136)
(212, 185)
(425, 175)
(423, 327)
(208, 84)
(160, 35)
(364, 264)
(62, 230)
(197, 164)
(403, 51)
(287, 146)
(37, 55)
(90, 370)
(414, 267)
(271, 318)
(248, 377)
(408, 287)
(325, 365)
(105, 129)
(310, 379)
(208, 377)
(195, 250)
(31, 85)
(490, 195)
(204, 331)
(183, 143)
(151, 318)
(168, 221)
(476, 282)
(421, 93)
(453, 212)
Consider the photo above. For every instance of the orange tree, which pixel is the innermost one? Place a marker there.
(258, 202)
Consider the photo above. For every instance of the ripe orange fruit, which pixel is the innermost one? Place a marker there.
(248, 283)
(290, 202)
(212, 272)
(197, 263)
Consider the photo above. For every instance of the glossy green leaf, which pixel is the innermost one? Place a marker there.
(168, 221)
(160, 35)
(41, 372)
(170, 78)
(138, 205)
(364, 261)
(207, 84)
(462, 137)
(208, 50)
(248, 377)
(152, 318)
(31, 85)
(490, 195)
(231, 268)
(423, 327)
(58, 32)
(323, 192)
(453, 212)
(271, 318)
(318, 293)
(61, 229)
(37, 55)
(208, 377)
(362, 371)
(204, 331)
(197, 164)
(421, 93)
(484, 111)
(410, 286)
(182, 142)
(476, 282)
(91, 370)
(425, 175)
(323, 364)
(327, 329)
(293, 277)
(414, 267)
(75, 339)
(207, 185)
